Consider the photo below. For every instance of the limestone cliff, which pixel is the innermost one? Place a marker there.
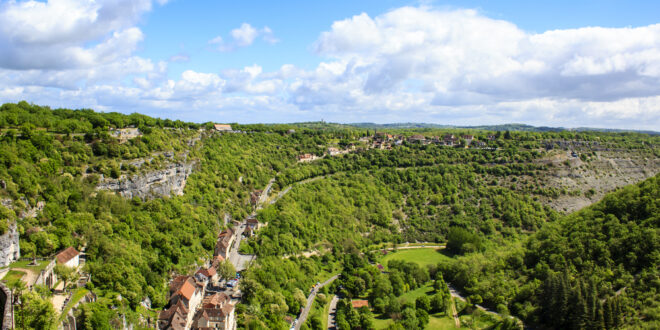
(9, 248)
(164, 182)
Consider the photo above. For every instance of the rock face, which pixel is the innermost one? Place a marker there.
(9, 249)
(165, 182)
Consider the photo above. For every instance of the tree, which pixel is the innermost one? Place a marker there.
(35, 313)
(67, 274)
(226, 270)
(438, 302)
(423, 303)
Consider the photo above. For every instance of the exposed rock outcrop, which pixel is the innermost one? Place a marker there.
(166, 182)
(9, 248)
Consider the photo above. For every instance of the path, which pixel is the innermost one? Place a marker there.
(264, 194)
(287, 189)
(457, 321)
(455, 294)
(332, 313)
(30, 276)
(426, 245)
(310, 300)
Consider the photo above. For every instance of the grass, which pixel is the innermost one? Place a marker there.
(41, 265)
(436, 321)
(382, 323)
(77, 295)
(440, 321)
(326, 311)
(412, 295)
(13, 276)
(422, 257)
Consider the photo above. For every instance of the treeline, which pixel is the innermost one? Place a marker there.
(16, 115)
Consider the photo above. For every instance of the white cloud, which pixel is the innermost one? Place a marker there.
(409, 64)
(244, 36)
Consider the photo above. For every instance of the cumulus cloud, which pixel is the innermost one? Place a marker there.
(65, 34)
(466, 57)
(243, 36)
(408, 64)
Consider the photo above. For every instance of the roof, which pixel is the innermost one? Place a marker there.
(208, 272)
(417, 137)
(359, 303)
(216, 300)
(217, 260)
(66, 255)
(252, 220)
(179, 308)
(187, 290)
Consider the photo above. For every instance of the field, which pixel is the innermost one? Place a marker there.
(422, 257)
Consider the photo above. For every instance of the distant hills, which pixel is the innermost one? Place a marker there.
(503, 127)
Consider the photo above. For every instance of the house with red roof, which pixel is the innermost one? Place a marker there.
(216, 312)
(185, 297)
(69, 257)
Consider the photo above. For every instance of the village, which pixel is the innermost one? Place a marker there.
(207, 298)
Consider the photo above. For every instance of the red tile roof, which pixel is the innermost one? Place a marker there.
(216, 300)
(187, 290)
(66, 255)
(208, 272)
(359, 303)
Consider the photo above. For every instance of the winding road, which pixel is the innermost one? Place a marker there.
(310, 300)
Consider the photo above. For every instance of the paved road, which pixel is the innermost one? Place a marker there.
(310, 300)
(264, 194)
(332, 313)
(240, 261)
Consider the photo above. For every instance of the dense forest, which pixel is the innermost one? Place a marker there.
(509, 250)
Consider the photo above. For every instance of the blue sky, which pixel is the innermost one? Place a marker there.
(559, 63)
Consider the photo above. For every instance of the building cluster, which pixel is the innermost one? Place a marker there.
(191, 306)
(125, 134)
(386, 141)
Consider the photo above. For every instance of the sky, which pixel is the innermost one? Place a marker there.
(557, 63)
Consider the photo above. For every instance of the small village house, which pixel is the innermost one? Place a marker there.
(69, 257)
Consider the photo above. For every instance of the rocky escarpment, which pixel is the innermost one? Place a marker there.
(165, 182)
(9, 248)
(595, 178)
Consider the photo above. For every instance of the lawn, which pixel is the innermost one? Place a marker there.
(13, 276)
(440, 321)
(26, 264)
(412, 295)
(422, 257)
(436, 321)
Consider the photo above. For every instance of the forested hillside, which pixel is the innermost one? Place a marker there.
(596, 268)
(494, 204)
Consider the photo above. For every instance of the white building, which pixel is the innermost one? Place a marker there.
(70, 257)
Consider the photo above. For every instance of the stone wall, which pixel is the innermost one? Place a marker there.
(165, 182)
(5, 305)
